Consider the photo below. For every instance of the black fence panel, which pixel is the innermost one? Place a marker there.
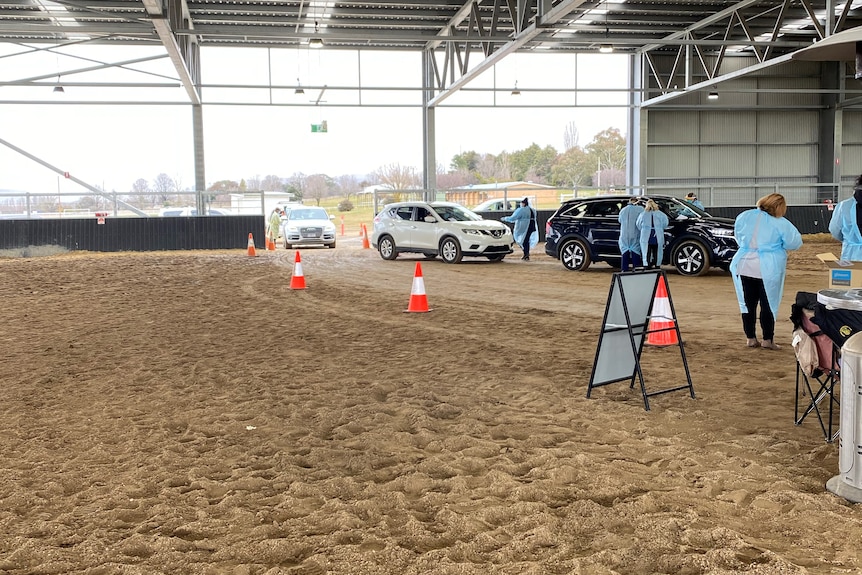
(810, 219)
(542, 217)
(135, 234)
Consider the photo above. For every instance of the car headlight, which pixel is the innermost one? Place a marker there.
(472, 232)
(721, 232)
(292, 228)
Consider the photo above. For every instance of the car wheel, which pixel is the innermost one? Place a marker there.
(386, 247)
(332, 245)
(575, 255)
(286, 245)
(691, 258)
(450, 251)
(496, 257)
(430, 256)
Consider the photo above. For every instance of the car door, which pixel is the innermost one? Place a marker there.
(424, 234)
(605, 227)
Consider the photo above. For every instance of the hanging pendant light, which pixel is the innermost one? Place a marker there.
(315, 42)
(58, 89)
(299, 89)
(516, 91)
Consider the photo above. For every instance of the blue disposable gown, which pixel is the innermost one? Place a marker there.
(775, 236)
(698, 204)
(843, 228)
(646, 221)
(521, 219)
(629, 235)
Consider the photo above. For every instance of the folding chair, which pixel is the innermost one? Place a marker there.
(819, 380)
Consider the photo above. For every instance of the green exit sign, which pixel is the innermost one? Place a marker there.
(321, 127)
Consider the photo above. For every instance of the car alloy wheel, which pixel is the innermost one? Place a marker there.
(386, 248)
(691, 258)
(575, 256)
(450, 251)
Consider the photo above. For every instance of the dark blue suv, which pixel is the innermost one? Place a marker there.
(587, 230)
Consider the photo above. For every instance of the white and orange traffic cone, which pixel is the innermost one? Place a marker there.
(418, 299)
(251, 250)
(365, 244)
(270, 245)
(297, 280)
(662, 326)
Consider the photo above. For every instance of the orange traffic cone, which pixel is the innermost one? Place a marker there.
(270, 245)
(297, 280)
(365, 244)
(418, 300)
(251, 251)
(662, 327)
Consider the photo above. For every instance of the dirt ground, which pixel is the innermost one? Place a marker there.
(189, 413)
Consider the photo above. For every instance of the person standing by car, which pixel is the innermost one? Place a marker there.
(274, 224)
(630, 245)
(692, 199)
(759, 266)
(651, 225)
(526, 231)
(846, 224)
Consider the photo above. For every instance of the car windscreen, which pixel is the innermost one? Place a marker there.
(676, 210)
(310, 214)
(456, 214)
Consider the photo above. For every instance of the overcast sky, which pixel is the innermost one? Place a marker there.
(111, 146)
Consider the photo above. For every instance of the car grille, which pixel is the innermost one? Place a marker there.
(310, 232)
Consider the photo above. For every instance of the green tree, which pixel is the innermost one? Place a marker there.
(533, 162)
(608, 152)
(467, 161)
(572, 168)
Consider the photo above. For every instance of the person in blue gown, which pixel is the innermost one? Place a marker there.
(651, 224)
(526, 230)
(759, 266)
(845, 224)
(692, 199)
(630, 244)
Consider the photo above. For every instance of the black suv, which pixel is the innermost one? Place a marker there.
(587, 230)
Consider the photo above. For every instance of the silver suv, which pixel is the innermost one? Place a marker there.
(443, 229)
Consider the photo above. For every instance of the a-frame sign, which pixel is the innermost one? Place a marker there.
(626, 327)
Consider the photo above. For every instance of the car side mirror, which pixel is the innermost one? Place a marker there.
(331, 217)
(430, 219)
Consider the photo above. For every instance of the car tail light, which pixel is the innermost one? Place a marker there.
(548, 225)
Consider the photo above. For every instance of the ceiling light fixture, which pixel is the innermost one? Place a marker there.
(607, 47)
(712, 95)
(515, 90)
(315, 42)
(299, 89)
(58, 89)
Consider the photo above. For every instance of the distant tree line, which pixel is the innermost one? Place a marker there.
(601, 163)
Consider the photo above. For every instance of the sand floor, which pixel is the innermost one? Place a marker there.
(189, 413)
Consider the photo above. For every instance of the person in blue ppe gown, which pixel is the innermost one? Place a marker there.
(692, 199)
(630, 243)
(759, 266)
(651, 225)
(846, 223)
(526, 230)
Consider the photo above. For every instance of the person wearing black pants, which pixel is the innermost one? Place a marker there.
(524, 219)
(754, 294)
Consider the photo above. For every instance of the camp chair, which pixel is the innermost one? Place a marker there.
(819, 380)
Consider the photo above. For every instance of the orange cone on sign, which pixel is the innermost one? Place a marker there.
(297, 280)
(251, 250)
(662, 327)
(418, 300)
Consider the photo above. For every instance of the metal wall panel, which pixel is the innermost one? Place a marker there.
(731, 160)
(728, 127)
(134, 234)
(800, 127)
(676, 161)
(675, 128)
(793, 94)
(786, 160)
